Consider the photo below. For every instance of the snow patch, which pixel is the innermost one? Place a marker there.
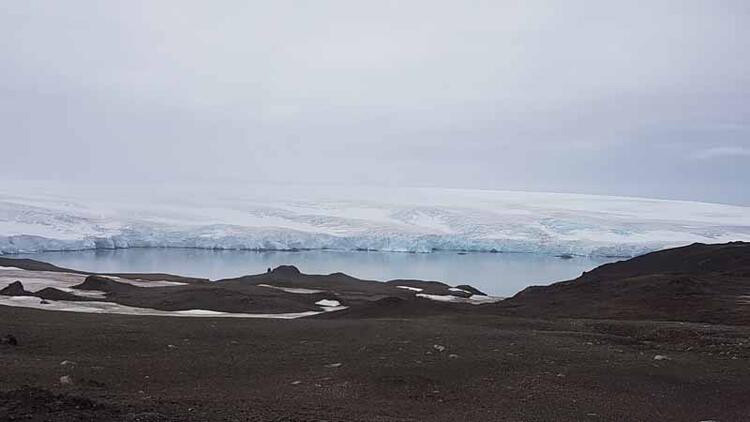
(328, 303)
(413, 289)
(116, 308)
(474, 299)
(456, 289)
(33, 281)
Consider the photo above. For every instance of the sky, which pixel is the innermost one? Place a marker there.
(605, 97)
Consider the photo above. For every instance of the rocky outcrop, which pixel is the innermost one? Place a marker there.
(15, 289)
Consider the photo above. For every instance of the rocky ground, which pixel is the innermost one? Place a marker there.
(395, 356)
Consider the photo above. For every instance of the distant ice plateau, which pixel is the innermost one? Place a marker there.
(37, 217)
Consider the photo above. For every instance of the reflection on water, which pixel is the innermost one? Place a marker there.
(502, 274)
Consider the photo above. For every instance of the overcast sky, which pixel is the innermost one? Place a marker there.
(617, 97)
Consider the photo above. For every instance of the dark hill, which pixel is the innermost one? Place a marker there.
(50, 293)
(33, 265)
(104, 284)
(699, 283)
(15, 289)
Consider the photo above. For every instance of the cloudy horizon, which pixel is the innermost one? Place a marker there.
(586, 97)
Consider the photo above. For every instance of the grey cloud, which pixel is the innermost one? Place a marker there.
(601, 97)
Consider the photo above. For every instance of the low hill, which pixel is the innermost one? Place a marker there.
(698, 283)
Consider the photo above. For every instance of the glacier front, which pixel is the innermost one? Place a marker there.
(37, 217)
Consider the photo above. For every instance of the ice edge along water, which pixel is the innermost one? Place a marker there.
(36, 218)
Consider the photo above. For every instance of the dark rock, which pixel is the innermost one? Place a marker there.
(15, 289)
(50, 293)
(389, 301)
(104, 284)
(9, 339)
(32, 265)
(286, 270)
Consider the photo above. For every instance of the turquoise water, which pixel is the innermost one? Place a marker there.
(502, 274)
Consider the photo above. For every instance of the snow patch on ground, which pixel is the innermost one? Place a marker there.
(413, 289)
(474, 299)
(33, 281)
(456, 289)
(328, 303)
(115, 308)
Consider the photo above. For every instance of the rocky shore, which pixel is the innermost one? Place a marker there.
(661, 337)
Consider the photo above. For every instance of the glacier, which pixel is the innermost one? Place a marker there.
(36, 217)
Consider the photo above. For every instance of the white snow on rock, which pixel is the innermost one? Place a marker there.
(413, 289)
(456, 289)
(116, 308)
(33, 281)
(473, 299)
(45, 216)
(296, 290)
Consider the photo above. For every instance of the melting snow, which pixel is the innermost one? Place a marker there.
(456, 289)
(328, 303)
(474, 299)
(33, 281)
(414, 289)
(116, 308)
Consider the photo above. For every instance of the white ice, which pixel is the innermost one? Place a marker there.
(45, 216)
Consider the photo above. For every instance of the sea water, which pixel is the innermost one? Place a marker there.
(501, 274)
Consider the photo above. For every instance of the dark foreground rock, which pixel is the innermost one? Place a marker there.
(486, 368)
(9, 339)
(38, 404)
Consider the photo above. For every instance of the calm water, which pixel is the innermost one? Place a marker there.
(496, 274)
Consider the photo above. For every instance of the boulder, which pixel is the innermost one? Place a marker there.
(9, 339)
